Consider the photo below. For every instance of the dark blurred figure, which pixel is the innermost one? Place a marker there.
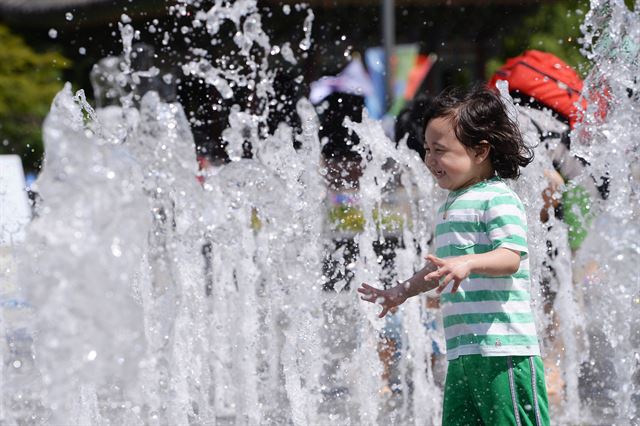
(334, 109)
(343, 171)
(410, 121)
(289, 91)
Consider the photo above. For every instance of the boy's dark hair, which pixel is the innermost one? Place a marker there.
(478, 115)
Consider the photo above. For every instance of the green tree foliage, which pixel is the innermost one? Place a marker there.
(554, 28)
(28, 82)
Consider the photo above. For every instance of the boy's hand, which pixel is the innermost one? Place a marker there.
(454, 269)
(387, 298)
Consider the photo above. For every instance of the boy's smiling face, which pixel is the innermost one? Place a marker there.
(454, 165)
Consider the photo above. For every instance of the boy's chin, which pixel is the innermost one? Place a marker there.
(443, 184)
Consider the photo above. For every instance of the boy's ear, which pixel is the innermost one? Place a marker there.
(482, 151)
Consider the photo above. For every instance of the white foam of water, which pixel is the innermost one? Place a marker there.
(138, 324)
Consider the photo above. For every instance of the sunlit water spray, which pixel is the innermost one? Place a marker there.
(609, 139)
(158, 301)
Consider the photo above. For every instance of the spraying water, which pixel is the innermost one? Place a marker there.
(608, 138)
(162, 302)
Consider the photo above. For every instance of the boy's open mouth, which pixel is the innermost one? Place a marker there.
(437, 173)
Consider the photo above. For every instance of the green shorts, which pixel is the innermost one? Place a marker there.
(500, 390)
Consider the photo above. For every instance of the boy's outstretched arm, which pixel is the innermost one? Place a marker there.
(498, 262)
(395, 296)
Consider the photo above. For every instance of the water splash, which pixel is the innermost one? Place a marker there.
(86, 262)
(305, 43)
(608, 139)
(162, 302)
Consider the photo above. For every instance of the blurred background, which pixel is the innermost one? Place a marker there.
(44, 43)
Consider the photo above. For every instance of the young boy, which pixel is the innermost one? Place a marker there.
(481, 268)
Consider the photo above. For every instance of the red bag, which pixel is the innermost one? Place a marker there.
(545, 78)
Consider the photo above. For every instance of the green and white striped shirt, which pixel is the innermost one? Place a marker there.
(490, 316)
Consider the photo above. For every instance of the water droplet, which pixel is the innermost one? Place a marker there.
(92, 355)
(305, 44)
(53, 33)
(68, 16)
(116, 251)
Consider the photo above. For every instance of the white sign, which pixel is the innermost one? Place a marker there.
(15, 212)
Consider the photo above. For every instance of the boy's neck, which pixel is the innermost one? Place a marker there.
(486, 175)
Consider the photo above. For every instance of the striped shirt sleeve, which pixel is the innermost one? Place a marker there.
(507, 223)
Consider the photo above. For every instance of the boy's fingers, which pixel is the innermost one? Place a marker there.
(436, 274)
(441, 272)
(435, 260)
(444, 283)
(373, 295)
(456, 284)
(367, 289)
(380, 299)
(368, 296)
(383, 312)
